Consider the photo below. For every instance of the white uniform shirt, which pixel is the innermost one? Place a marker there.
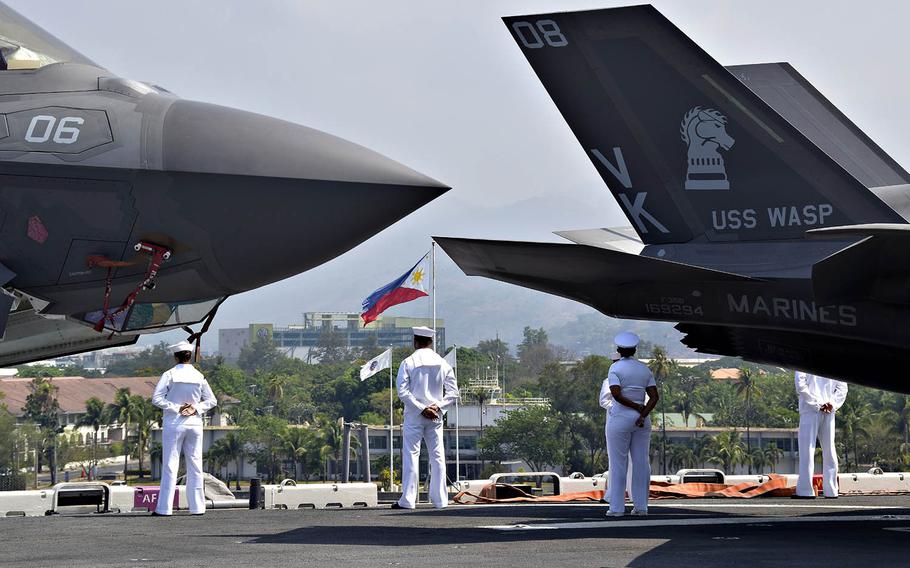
(424, 379)
(606, 397)
(814, 391)
(632, 377)
(181, 385)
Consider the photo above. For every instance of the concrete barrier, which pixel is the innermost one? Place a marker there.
(30, 503)
(320, 495)
(873, 483)
(122, 498)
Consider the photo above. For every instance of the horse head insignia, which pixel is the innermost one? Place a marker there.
(704, 130)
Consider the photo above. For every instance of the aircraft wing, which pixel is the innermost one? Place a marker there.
(30, 337)
(583, 273)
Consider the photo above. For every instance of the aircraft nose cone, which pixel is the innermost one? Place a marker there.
(273, 198)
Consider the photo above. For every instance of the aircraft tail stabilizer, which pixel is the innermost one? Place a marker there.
(689, 152)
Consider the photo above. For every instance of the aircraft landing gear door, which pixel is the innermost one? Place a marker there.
(49, 225)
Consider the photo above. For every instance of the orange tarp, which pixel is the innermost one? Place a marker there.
(776, 486)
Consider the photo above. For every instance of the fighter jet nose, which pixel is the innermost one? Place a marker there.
(207, 138)
(271, 199)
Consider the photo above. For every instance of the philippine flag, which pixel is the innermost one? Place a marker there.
(410, 286)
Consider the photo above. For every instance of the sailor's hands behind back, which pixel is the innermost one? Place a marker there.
(827, 408)
(431, 412)
(640, 422)
(187, 409)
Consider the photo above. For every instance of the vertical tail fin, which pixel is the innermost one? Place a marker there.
(688, 151)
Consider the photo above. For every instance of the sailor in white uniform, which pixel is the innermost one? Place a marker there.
(629, 433)
(184, 395)
(819, 399)
(427, 388)
(606, 402)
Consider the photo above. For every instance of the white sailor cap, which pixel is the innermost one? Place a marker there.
(182, 346)
(626, 339)
(423, 332)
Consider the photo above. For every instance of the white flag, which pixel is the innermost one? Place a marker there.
(451, 358)
(376, 364)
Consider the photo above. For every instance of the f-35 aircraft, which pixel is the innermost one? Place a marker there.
(125, 209)
(763, 220)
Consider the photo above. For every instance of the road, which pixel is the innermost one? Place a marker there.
(853, 531)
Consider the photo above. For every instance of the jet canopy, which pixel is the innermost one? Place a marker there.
(24, 45)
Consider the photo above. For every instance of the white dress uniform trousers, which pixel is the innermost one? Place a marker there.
(183, 384)
(814, 392)
(424, 379)
(625, 439)
(606, 402)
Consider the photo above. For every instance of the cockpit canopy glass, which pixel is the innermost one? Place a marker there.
(24, 45)
(156, 315)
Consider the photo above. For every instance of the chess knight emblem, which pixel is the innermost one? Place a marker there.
(704, 131)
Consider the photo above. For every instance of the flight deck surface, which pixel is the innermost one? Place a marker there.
(848, 531)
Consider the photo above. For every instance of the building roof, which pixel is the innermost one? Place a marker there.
(675, 419)
(726, 374)
(74, 391)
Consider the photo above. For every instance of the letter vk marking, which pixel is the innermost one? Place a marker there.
(637, 211)
(619, 171)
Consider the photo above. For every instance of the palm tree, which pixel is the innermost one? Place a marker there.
(333, 442)
(122, 410)
(297, 443)
(681, 457)
(233, 448)
(662, 367)
(853, 418)
(275, 384)
(728, 450)
(215, 456)
(901, 406)
(94, 416)
(156, 452)
(146, 414)
(758, 458)
(773, 454)
(746, 388)
(704, 448)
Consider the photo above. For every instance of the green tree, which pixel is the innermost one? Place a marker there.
(773, 455)
(331, 347)
(531, 434)
(41, 408)
(232, 446)
(266, 433)
(122, 411)
(149, 363)
(145, 416)
(94, 417)
(535, 352)
(300, 445)
(662, 366)
(332, 443)
(260, 355)
(747, 389)
(853, 417)
(728, 450)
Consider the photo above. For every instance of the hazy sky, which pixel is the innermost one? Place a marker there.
(442, 88)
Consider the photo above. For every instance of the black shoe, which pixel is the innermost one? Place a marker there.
(397, 506)
(834, 497)
(157, 514)
(802, 496)
(196, 514)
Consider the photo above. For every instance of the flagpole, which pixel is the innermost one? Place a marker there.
(433, 264)
(457, 424)
(391, 425)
